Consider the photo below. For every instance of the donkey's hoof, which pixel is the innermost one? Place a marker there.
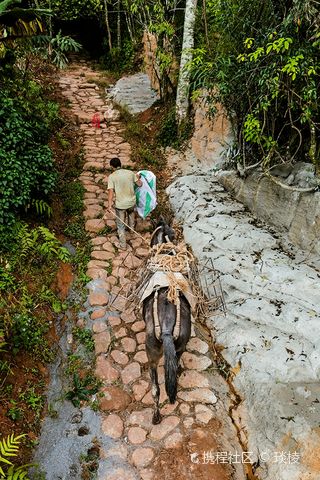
(156, 418)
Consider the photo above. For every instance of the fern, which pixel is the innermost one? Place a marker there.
(40, 241)
(9, 447)
(41, 207)
(19, 473)
(28, 242)
(60, 46)
(51, 245)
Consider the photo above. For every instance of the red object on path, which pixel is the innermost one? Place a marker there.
(96, 120)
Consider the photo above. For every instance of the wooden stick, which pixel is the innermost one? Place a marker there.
(138, 234)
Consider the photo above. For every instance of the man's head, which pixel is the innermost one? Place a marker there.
(115, 162)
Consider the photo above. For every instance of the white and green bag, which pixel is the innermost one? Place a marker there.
(146, 197)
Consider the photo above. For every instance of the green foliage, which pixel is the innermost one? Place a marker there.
(252, 129)
(261, 61)
(5, 4)
(72, 195)
(27, 333)
(41, 207)
(168, 131)
(33, 400)
(123, 59)
(17, 23)
(49, 297)
(27, 170)
(39, 244)
(75, 9)
(61, 45)
(24, 327)
(57, 48)
(7, 280)
(105, 230)
(146, 156)
(2, 342)
(75, 363)
(163, 21)
(133, 127)
(83, 388)
(15, 413)
(81, 260)
(9, 447)
(76, 230)
(169, 134)
(84, 336)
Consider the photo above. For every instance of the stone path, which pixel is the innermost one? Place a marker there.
(131, 447)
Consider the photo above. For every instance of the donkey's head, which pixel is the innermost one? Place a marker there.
(163, 233)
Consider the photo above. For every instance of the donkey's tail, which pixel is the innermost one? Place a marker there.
(170, 366)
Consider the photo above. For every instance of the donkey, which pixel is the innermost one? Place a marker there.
(167, 314)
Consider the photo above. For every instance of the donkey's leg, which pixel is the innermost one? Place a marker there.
(154, 352)
(156, 418)
(185, 331)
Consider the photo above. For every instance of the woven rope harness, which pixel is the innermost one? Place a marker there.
(170, 259)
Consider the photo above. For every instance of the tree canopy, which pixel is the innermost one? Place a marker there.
(261, 61)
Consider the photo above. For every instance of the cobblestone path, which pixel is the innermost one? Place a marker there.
(198, 422)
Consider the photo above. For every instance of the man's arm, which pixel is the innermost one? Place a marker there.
(110, 198)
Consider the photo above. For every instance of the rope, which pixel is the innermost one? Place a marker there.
(176, 285)
(157, 327)
(170, 258)
(176, 330)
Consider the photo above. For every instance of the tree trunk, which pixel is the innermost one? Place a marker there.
(107, 24)
(205, 21)
(119, 24)
(182, 101)
(129, 26)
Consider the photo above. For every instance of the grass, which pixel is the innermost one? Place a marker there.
(84, 336)
(72, 195)
(83, 388)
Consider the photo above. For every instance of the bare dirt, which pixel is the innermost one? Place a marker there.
(202, 443)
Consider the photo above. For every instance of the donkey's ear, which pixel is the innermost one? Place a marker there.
(170, 233)
(161, 220)
(154, 223)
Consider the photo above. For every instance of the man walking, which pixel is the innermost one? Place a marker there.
(121, 186)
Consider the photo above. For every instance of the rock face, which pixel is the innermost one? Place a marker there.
(134, 92)
(211, 136)
(297, 213)
(270, 333)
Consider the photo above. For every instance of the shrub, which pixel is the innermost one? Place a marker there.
(27, 169)
(168, 132)
(146, 156)
(28, 333)
(261, 61)
(39, 244)
(72, 194)
(124, 59)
